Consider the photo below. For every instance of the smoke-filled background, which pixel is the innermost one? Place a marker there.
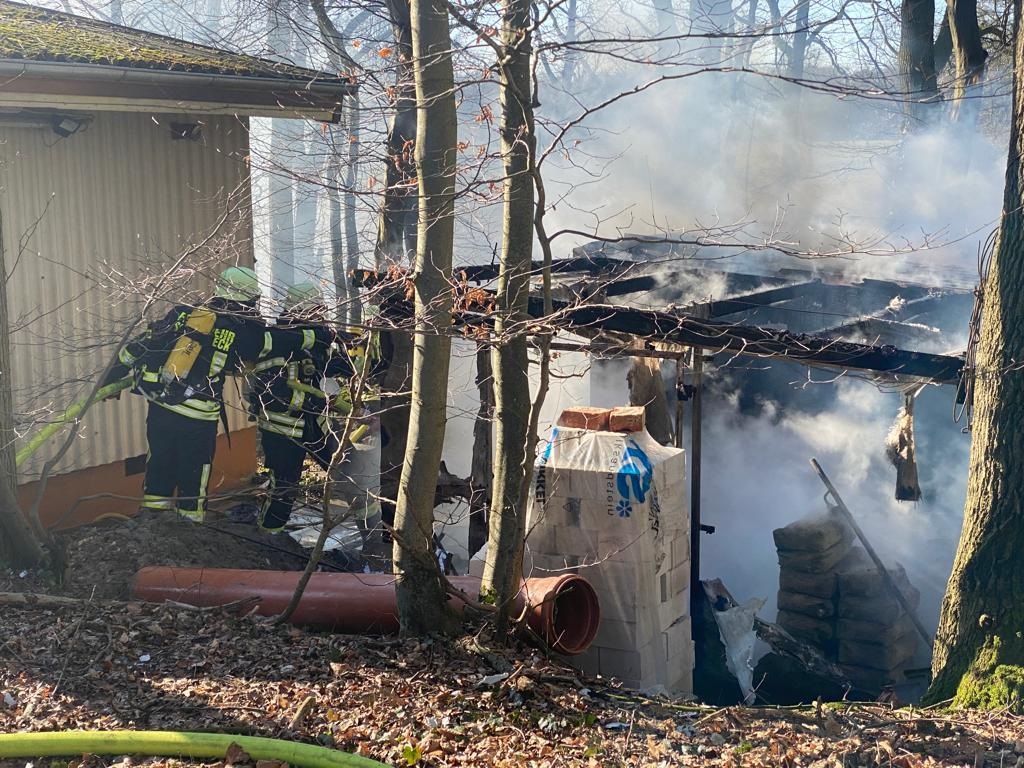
(645, 126)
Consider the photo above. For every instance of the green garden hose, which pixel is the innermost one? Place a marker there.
(70, 413)
(212, 746)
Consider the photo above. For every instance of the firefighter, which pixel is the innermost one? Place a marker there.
(292, 410)
(179, 365)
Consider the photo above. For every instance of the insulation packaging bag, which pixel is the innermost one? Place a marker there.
(612, 506)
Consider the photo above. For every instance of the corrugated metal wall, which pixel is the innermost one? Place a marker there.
(89, 223)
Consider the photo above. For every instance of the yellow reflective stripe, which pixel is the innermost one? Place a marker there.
(266, 365)
(268, 343)
(308, 338)
(192, 413)
(204, 481)
(152, 376)
(220, 359)
(125, 356)
(298, 396)
(195, 515)
(280, 429)
(152, 501)
(282, 418)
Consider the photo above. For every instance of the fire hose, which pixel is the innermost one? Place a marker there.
(175, 744)
(70, 414)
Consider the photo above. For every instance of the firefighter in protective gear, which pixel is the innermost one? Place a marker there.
(292, 410)
(179, 365)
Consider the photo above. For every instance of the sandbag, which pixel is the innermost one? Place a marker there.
(874, 632)
(816, 631)
(817, 584)
(884, 609)
(813, 534)
(816, 562)
(866, 581)
(871, 680)
(808, 605)
(885, 657)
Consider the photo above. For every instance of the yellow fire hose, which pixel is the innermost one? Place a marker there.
(72, 411)
(175, 744)
(70, 414)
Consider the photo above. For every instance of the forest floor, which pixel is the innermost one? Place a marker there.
(102, 663)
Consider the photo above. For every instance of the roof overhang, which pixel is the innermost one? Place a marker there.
(98, 87)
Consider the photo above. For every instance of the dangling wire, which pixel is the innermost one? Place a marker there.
(964, 401)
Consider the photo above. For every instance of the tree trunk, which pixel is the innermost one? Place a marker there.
(569, 56)
(396, 231)
(18, 547)
(481, 475)
(507, 520)
(969, 57)
(355, 308)
(282, 227)
(420, 590)
(917, 57)
(979, 648)
(348, 306)
(396, 348)
(711, 18)
(798, 49)
(334, 231)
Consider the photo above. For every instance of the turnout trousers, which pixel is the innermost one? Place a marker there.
(180, 458)
(284, 457)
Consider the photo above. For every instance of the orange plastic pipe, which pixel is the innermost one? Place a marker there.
(563, 610)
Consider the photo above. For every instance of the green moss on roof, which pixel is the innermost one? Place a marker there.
(30, 33)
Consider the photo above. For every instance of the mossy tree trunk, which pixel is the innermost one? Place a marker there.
(421, 591)
(979, 648)
(503, 570)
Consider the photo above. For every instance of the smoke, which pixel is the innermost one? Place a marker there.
(754, 162)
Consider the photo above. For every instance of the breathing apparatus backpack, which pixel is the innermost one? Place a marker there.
(171, 371)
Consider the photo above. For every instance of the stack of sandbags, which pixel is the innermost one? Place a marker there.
(832, 595)
(611, 506)
(876, 637)
(810, 552)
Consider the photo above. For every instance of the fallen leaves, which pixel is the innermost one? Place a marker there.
(430, 704)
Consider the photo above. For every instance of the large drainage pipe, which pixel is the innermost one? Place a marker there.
(563, 610)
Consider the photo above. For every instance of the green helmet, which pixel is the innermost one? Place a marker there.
(238, 284)
(303, 297)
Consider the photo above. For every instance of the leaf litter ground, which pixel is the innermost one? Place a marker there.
(106, 665)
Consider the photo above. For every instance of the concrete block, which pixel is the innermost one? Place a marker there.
(627, 418)
(679, 578)
(647, 663)
(627, 543)
(680, 680)
(679, 548)
(588, 662)
(678, 638)
(579, 542)
(536, 564)
(476, 567)
(672, 609)
(585, 417)
(625, 635)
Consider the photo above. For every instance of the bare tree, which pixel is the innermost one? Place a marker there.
(421, 592)
(507, 522)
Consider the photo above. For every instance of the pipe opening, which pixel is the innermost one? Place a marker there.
(575, 616)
